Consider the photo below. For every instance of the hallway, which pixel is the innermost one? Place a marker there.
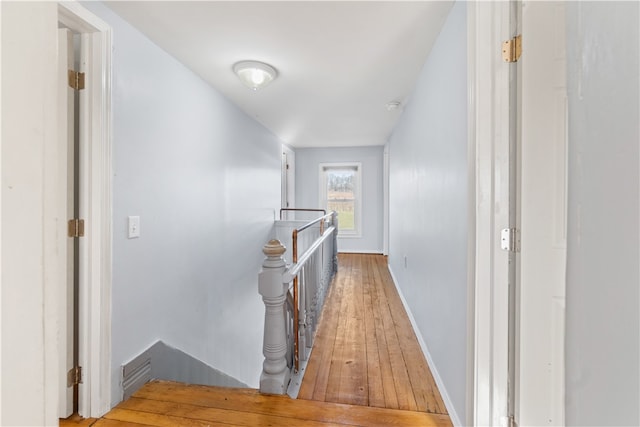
(365, 352)
(366, 368)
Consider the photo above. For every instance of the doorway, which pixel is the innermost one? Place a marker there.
(518, 339)
(492, 198)
(69, 85)
(288, 180)
(84, 168)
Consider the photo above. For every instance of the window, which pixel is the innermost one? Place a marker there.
(340, 192)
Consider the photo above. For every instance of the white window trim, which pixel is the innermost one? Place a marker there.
(358, 193)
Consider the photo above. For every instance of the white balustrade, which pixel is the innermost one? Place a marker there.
(283, 349)
(275, 373)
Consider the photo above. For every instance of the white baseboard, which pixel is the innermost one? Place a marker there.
(360, 251)
(455, 419)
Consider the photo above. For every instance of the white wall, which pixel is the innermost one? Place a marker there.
(428, 206)
(29, 137)
(205, 180)
(308, 187)
(602, 324)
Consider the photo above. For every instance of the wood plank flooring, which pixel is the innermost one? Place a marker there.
(365, 351)
(366, 369)
(168, 404)
(75, 420)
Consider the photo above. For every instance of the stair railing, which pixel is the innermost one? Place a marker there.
(293, 297)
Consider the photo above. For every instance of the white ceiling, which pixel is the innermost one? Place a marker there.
(339, 62)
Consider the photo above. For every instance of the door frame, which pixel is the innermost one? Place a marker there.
(489, 24)
(385, 200)
(96, 209)
(287, 179)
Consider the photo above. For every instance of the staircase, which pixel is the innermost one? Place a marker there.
(164, 403)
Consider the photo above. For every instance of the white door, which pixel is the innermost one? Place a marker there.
(543, 215)
(66, 126)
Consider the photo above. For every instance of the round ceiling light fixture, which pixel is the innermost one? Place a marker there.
(393, 105)
(255, 75)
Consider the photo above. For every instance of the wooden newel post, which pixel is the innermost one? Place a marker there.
(275, 374)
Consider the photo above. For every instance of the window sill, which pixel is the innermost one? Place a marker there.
(349, 236)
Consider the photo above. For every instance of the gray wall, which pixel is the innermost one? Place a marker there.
(429, 206)
(602, 324)
(205, 180)
(163, 362)
(308, 187)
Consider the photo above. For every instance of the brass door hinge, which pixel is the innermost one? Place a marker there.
(512, 49)
(76, 228)
(76, 80)
(74, 376)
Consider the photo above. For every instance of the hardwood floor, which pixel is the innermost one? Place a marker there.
(366, 369)
(75, 420)
(365, 351)
(164, 403)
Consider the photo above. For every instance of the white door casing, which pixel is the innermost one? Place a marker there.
(490, 130)
(288, 177)
(95, 208)
(543, 215)
(385, 200)
(0, 211)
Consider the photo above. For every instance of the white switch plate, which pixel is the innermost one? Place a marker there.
(134, 227)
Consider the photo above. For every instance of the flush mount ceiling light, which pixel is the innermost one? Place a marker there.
(255, 75)
(393, 105)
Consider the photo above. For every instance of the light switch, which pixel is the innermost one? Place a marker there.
(134, 227)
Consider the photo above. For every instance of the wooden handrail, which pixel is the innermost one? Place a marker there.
(301, 210)
(293, 270)
(294, 235)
